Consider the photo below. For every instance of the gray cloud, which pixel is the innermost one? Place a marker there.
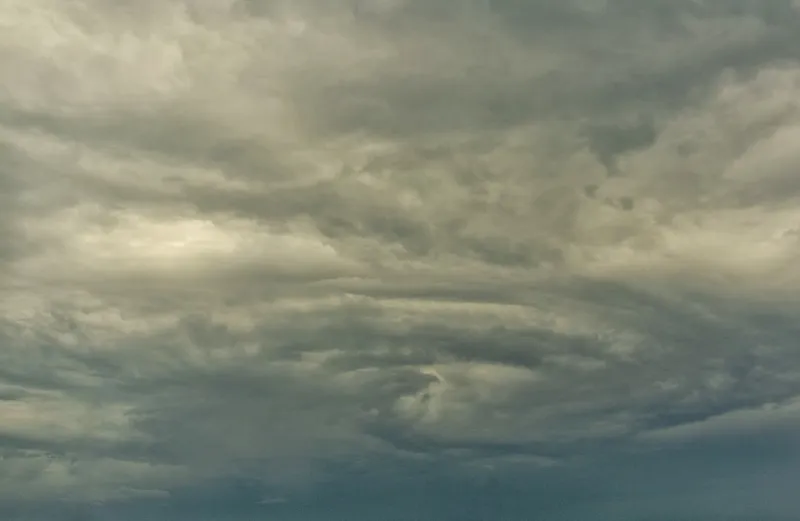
(265, 254)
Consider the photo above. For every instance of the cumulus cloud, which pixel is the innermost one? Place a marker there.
(292, 244)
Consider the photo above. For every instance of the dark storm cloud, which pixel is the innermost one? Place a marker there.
(399, 259)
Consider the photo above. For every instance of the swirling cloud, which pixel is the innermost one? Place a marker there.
(256, 256)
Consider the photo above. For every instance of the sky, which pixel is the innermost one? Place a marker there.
(399, 260)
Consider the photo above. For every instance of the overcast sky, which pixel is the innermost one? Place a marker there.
(399, 260)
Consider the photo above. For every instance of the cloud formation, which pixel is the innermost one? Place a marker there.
(264, 254)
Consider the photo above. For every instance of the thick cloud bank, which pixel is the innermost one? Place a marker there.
(399, 259)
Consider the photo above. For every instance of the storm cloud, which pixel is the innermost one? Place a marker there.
(399, 259)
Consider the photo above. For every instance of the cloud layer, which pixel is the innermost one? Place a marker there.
(270, 255)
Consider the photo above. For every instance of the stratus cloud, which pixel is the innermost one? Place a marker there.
(34, 475)
(739, 423)
(262, 239)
